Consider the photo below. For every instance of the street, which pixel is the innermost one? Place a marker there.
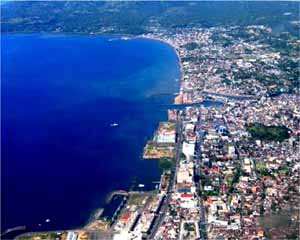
(164, 208)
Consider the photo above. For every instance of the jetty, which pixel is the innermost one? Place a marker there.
(119, 192)
(19, 228)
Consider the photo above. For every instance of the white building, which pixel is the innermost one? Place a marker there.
(72, 236)
(188, 150)
(166, 137)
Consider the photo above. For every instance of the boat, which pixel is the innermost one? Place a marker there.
(141, 185)
(47, 220)
(114, 124)
(125, 38)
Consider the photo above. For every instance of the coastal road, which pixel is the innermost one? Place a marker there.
(160, 218)
(199, 185)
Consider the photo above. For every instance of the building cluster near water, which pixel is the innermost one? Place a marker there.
(224, 182)
(136, 221)
(163, 143)
(235, 166)
(234, 61)
(227, 181)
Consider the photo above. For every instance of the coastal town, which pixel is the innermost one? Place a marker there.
(230, 171)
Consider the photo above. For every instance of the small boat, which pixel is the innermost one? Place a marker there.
(114, 124)
(125, 38)
(141, 185)
(47, 220)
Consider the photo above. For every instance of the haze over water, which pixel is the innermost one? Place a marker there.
(60, 157)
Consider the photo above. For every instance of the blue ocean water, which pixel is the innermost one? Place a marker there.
(60, 156)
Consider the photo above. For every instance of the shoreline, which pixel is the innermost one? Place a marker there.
(95, 214)
(90, 221)
(177, 54)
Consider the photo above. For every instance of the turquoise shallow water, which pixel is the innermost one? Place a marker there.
(60, 157)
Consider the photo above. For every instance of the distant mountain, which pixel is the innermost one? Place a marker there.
(139, 17)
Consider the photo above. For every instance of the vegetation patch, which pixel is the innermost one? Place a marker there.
(191, 46)
(165, 163)
(269, 133)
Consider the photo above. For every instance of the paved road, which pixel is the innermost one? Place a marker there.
(164, 208)
(199, 185)
(198, 170)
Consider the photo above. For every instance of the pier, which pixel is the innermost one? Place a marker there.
(19, 228)
(119, 192)
(118, 210)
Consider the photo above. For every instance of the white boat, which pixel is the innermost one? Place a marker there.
(141, 185)
(114, 124)
(47, 220)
